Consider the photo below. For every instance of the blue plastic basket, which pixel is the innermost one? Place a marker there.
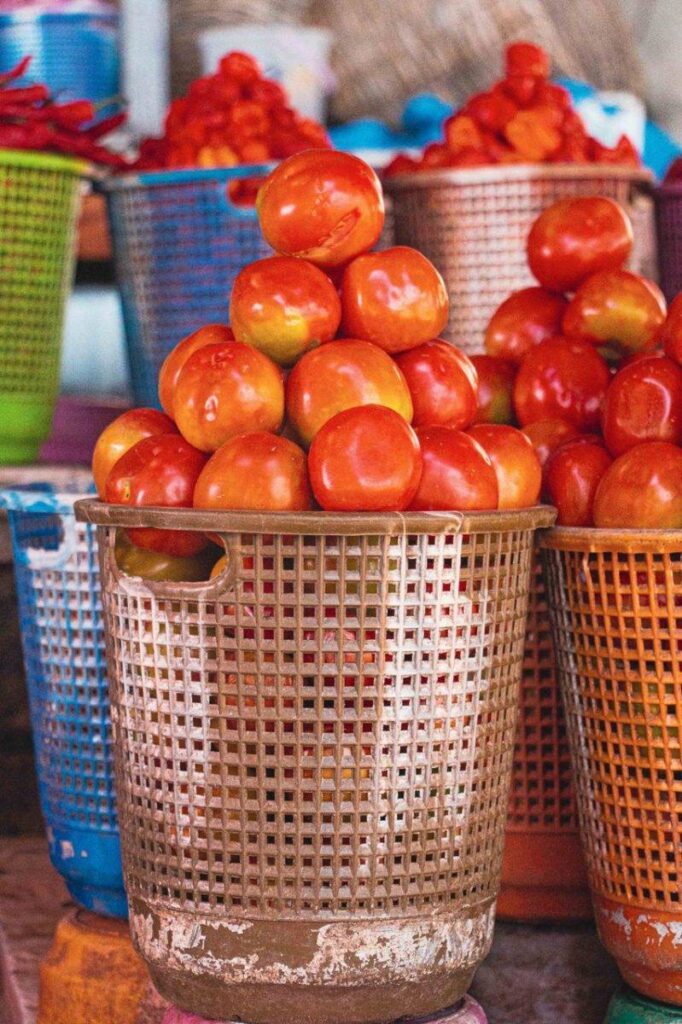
(179, 242)
(58, 590)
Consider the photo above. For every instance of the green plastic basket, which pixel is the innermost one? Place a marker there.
(39, 203)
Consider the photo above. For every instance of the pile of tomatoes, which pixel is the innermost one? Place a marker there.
(588, 364)
(523, 118)
(330, 390)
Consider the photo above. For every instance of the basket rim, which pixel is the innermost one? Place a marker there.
(513, 172)
(348, 524)
(598, 538)
(669, 188)
(182, 176)
(46, 161)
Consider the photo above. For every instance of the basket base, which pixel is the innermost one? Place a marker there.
(627, 1007)
(24, 427)
(105, 902)
(90, 864)
(543, 878)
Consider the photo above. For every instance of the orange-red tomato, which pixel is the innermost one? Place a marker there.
(258, 471)
(526, 318)
(547, 435)
(443, 382)
(283, 306)
(322, 205)
(341, 375)
(670, 336)
(457, 473)
(120, 435)
(616, 308)
(224, 390)
(211, 334)
(516, 465)
(561, 379)
(576, 237)
(571, 479)
(642, 488)
(495, 389)
(395, 298)
(643, 403)
(365, 459)
(159, 470)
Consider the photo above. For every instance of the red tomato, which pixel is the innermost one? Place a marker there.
(526, 59)
(523, 320)
(457, 473)
(643, 403)
(671, 332)
(228, 389)
(322, 205)
(443, 382)
(576, 237)
(120, 435)
(616, 308)
(395, 298)
(516, 465)
(547, 435)
(258, 471)
(341, 375)
(495, 389)
(561, 379)
(211, 334)
(162, 471)
(642, 489)
(365, 459)
(571, 478)
(283, 306)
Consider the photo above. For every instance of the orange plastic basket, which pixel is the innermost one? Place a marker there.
(616, 604)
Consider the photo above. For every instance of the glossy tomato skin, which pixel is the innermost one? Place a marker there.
(211, 334)
(495, 392)
(576, 237)
(457, 473)
(516, 465)
(283, 306)
(341, 375)
(258, 471)
(572, 476)
(325, 206)
(365, 459)
(616, 308)
(526, 318)
(120, 435)
(225, 390)
(642, 489)
(671, 332)
(395, 298)
(161, 471)
(443, 383)
(643, 403)
(156, 565)
(562, 379)
(547, 435)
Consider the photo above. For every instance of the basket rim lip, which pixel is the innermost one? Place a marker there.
(513, 172)
(669, 188)
(383, 524)
(600, 538)
(183, 176)
(26, 16)
(46, 161)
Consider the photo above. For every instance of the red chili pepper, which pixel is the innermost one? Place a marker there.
(31, 94)
(15, 72)
(20, 136)
(105, 126)
(72, 115)
(527, 59)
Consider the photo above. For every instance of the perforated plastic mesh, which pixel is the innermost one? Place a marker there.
(669, 232)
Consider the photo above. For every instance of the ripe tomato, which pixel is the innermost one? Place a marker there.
(547, 435)
(162, 471)
(365, 459)
(516, 465)
(643, 403)
(341, 375)
(576, 237)
(322, 205)
(616, 308)
(443, 384)
(571, 478)
(457, 473)
(283, 306)
(228, 389)
(157, 565)
(523, 320)
(211, 334)
(642, 488)
(120, 435)
(671, 332)
(561, 379)
(259, 471)
(495, 389)
(395, 298)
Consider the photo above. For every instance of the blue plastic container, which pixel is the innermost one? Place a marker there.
(58, 591)
(179, 242)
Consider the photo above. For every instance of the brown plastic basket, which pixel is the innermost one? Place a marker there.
(473, 224)
(313, 757)
(616, 603)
